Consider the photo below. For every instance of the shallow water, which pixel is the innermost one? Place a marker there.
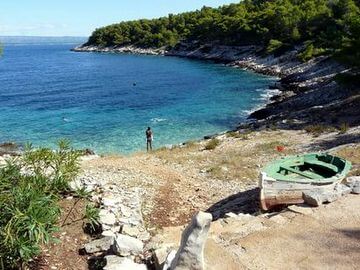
(106, 101)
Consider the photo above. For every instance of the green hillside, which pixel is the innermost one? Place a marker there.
(325, 26)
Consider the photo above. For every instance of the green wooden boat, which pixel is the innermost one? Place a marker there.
(283, 181)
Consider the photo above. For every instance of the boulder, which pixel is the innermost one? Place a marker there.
(190, 255)
(99, 245)
(318, 197)
(126, 245)
(343, 189)
(353, 182)
(313, 198)
(120, 263)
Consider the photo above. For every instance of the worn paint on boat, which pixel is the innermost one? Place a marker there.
(283, 181)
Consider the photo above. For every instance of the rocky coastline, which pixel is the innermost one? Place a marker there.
(308, 92)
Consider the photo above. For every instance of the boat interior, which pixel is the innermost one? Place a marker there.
(311, 167)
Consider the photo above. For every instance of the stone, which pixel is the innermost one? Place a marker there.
(120, 263)
(190, 255)
(343, 189)
(130, 230)
(356, 188)
(318, 197)
(353, 182)
(230, 215)
(99, 245)
(144, 236)
(160, 256)
(106, 217)
(312, 198)
(109, 201)
(126, 245)
(169, 258)
(76, 184)
(108, 233)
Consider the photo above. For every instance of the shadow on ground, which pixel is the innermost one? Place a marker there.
(352, 233)
(246, 202)
(335, 141)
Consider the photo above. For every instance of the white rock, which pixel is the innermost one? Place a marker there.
(120, 263)
(102, 244)
(160, 256)
(170, 257)
(126, 245)
(230, 215)
(130, 230)
(191, 252)
(108, 233)
(109, 201)
(353, 182)
(106, 217)
(144, 236)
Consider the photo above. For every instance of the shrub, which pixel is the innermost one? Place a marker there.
(212, 144)
(318, 129)
(233, 134)
(344, 127)
(273, 46)
(92, 215)
(310, 52)
(29, 191)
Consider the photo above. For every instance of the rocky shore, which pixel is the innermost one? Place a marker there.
(146, 200)
(309, 92)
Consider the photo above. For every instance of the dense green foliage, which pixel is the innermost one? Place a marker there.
(29, 190)
(327, 26)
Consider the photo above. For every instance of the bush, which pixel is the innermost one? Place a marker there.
(344, 127)
(318, 129)
(310, 52)
(212, 144)
(29, 191)
(273, 46)
(238, 135)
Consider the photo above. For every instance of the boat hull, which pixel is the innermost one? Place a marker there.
(274, 193)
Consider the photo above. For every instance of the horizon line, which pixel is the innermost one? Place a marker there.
(61, 36)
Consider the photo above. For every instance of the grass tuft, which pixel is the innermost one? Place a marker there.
(317, 130)
(212, 144)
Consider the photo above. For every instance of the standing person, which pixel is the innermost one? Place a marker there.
(149, 139)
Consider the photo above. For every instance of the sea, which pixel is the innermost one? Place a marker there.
(105, 101)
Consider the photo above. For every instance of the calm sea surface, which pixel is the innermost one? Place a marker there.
(106, 101)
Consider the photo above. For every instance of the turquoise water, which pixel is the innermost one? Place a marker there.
(106, 101)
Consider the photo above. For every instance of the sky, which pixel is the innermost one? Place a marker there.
(81, 17)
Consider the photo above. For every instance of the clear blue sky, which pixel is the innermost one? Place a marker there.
(80, 17)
